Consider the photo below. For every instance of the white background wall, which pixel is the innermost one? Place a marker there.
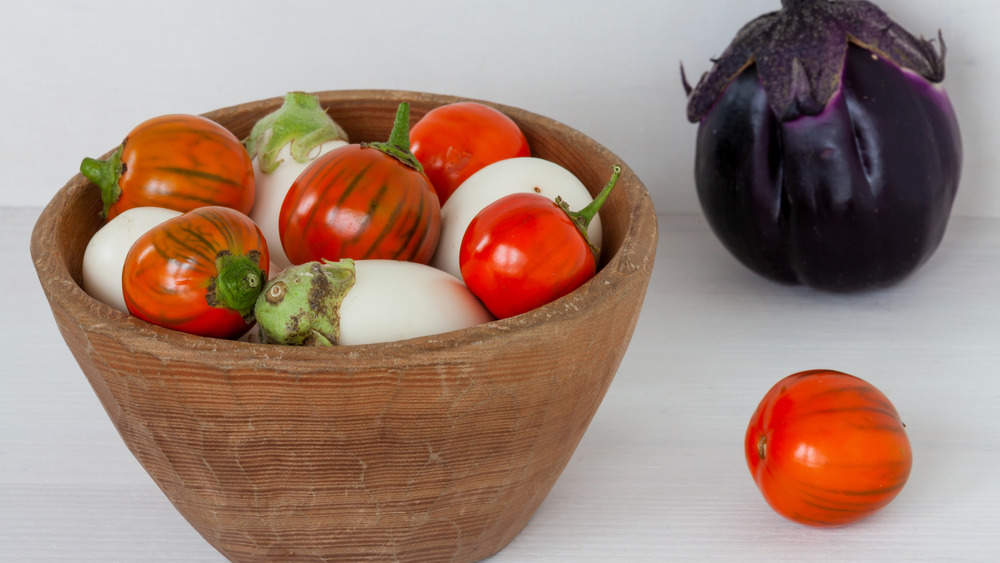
(76, 75)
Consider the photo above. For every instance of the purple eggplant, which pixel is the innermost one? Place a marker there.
(828, 153)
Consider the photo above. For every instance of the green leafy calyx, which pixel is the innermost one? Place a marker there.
(105, 174)
(239, 281)
(300, 121)
(398, 145)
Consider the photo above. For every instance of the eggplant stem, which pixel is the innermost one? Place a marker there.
(583, 217)
(105, 175)
(239, 281)
(398, 145)
(789, 5)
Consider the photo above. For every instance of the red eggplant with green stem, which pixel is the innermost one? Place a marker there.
(524, 250)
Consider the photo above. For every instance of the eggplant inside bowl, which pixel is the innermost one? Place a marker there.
(433, 448)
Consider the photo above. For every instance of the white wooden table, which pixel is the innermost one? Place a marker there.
(660, 474)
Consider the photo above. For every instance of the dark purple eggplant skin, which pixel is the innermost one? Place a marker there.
(853, 198)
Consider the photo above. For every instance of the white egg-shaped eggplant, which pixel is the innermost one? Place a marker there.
(271, 188)
(514, 175)
(393, 300)
(363, 302)
(104, 257)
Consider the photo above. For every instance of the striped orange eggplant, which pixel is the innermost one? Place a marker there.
(200, 273)
(176, 161)
(369, 200)
(827, 448)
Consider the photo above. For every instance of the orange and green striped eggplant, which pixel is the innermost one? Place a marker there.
(176, 161)
(362, 201)
(827, 448)
(200, 273)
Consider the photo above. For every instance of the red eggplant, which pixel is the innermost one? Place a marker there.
(828, 153)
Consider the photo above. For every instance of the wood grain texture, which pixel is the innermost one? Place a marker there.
(437, 448)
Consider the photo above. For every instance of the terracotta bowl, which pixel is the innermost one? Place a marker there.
(435, 448)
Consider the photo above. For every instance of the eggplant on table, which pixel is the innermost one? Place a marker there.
(828, 153)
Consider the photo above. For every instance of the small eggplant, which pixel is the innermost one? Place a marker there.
(352, 302)
(828, 153)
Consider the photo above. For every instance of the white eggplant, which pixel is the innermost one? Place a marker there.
(363, 302)
(104, 257)
(502, 178)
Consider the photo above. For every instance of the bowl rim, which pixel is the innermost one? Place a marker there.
(634, 257)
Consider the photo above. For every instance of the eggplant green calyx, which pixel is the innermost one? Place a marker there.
(398, 145)
(301, 305)
(301, 121)
(105, 175)
(799, 53)
(239, 281)
(583, 217)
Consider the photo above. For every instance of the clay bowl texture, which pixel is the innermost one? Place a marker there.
(431, 449)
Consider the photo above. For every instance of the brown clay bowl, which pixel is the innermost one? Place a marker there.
(435, 448)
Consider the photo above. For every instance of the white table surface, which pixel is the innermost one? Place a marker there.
(660, 474)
